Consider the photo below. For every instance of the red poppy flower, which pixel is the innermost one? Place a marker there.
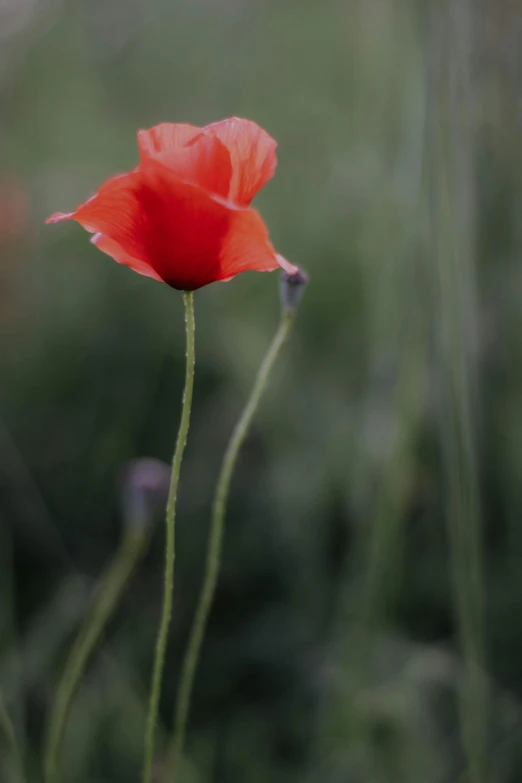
(183, 216)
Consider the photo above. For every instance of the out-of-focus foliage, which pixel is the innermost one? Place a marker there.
(389, 445)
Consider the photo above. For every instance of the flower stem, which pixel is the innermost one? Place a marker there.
(213, 559)
(161, 642)
(106, 598)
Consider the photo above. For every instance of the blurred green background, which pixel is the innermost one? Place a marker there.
(367, 626)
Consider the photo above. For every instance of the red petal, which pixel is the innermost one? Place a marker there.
(115, 212)
(195, 239)
(166, 137)
(253, 156)
(113, 249)
(185, 227)
(247, 246)
(57, 217)
(190, 154)
(172, 230)
(291, 269)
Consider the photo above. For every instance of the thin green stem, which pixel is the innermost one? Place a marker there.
(106, 598)
(161, 642)
(213, 559)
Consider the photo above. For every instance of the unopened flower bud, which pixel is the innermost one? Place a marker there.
(292, 287)
(144, 492)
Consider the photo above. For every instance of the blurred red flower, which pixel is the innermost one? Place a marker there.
(183, 216)
(14, 209)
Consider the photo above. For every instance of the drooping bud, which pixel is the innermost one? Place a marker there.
(292, 287)
(144, 492)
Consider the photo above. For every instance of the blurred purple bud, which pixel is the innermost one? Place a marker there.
(292, 287)
(144, 492)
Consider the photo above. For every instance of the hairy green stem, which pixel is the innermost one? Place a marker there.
(213, 559)
(161, 642)
(107, 596)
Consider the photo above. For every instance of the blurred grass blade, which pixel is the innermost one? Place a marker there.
(452, 216)
(107, 597)
(8, 730)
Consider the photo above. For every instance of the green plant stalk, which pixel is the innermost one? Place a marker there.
(107, 596)
(215, 540)
(452, 31)
(163, 630)
(387, 529)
